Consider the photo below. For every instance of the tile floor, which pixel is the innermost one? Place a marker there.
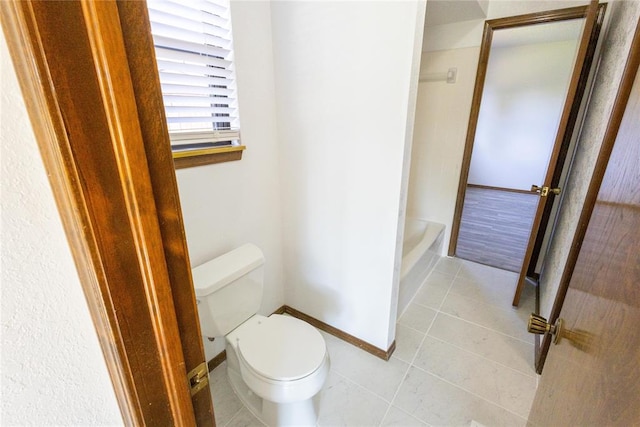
(462, 357)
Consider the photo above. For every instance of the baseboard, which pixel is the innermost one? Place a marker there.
(281, 310)
(216, 361)
(382, 354)
(285, 309)
(511, 190)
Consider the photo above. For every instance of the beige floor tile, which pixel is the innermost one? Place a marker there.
(226, 403)
(407, 342)
(493, 345)
(244, 418)
(344, 403)
(507, 319)
(493, 292)
(439, 403)
(434, 289)
(505, 387)
(472, 270)
(398, 418)
(417, 317)
(448, 265)
(376, 375)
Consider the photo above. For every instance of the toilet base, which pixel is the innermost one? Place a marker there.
(300, 413)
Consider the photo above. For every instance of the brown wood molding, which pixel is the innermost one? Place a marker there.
(615, 119)
(382, 354)
(72, 67)
(207, 159)
(217, 360)
(481, 74)
(510, 190)
(145, 80)
(285, 309)
(543, 17)
(281, 310)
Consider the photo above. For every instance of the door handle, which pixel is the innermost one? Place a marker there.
(580, 339)
(539, 325)
(544, 191)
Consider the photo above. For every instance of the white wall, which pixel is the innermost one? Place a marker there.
(228, 204)
(53, 371)
(524, 92)
(343, 77)
(441, 120)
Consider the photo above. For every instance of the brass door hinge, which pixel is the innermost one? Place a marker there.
(198, 378)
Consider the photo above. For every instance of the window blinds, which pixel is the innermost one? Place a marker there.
(194, 52)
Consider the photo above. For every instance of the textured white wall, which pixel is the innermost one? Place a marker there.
(53, 371)
(524, 92)
(623, 17)
(343, 78)
(226, 205)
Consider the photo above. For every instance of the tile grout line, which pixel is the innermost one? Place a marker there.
(410, 364)
(502, 365)
(439, 311)
(471, 393)
(484, 327)
(457, 275)
(417, 291)
(388, 402)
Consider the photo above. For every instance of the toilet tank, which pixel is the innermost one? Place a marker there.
(229, 289)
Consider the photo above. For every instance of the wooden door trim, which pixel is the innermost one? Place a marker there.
(104, 180)
(136, 30)
(487, 36)
(615, 119)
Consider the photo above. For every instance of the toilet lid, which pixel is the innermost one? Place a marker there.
(282, 347)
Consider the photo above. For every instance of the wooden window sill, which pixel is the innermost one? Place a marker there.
(187, 159)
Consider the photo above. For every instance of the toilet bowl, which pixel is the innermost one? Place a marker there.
(284, 362)
(276, 365)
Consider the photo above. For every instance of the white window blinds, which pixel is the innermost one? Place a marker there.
(194, 52)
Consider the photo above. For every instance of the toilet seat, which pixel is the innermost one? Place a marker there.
(281, 358)
(281, 348)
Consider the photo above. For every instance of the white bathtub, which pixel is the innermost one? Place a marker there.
(420, 252)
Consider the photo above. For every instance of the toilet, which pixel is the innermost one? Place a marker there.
(276, 365)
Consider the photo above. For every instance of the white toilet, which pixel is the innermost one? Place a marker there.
(277, 364)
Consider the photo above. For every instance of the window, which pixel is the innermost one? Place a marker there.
(194, 52)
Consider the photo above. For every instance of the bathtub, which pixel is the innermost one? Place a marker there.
(420, 252)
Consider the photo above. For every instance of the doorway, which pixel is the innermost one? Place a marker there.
(526, 81)
(531, 77)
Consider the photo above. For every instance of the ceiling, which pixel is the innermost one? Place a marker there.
(440, 12)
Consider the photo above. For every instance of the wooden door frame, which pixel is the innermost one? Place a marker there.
(87, 73)
(615, 119)
(489, 27)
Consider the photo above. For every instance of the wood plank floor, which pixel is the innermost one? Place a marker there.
(495, 227)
